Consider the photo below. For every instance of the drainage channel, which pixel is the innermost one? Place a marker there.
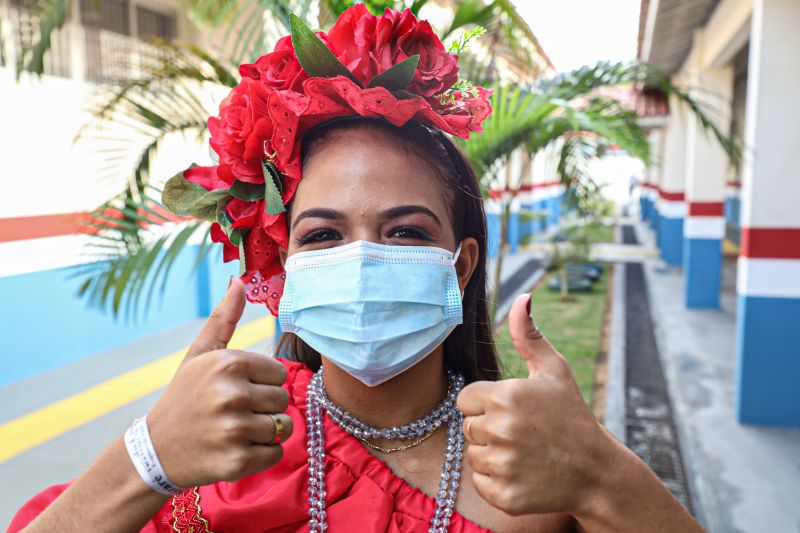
(649, 424)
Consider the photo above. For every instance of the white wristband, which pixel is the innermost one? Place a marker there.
(143, 454)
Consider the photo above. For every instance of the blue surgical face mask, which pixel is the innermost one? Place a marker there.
(371, 309)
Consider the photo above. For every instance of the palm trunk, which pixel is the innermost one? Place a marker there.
(498, 266)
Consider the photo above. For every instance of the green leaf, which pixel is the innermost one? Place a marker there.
(185, 198)
(398, 76)
(247, 191)
(315, 58)
(242, 262)
(223, 218)
(273, 204)
(235, 236)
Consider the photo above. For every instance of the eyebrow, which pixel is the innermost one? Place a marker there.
(319, 212)
(389, 214)
(403, 210)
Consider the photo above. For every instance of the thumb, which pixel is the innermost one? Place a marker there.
(221, 324)
(538, 353)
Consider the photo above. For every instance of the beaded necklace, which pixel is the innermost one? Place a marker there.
(447, 412)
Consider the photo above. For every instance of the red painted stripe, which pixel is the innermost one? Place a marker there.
(40, 226)
(706, 209)
(35, 227)
(671, 196)
(770, 243)
(736, 184)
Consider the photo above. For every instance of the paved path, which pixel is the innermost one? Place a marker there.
(44, 409)
(743, 479)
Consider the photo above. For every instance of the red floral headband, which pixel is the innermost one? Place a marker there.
(391, 66)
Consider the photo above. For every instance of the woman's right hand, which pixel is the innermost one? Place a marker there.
(212, 423)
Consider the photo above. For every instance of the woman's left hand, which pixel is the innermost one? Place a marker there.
(536, 448)
(532, 441)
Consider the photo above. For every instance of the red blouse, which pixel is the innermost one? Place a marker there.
(364, 495)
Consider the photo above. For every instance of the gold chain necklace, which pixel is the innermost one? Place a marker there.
(399, 448)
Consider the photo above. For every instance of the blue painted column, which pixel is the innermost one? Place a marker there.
(768, 284)
(768, 327)
(671, 211)
(703, 232)
(653, 208)
(644, 208)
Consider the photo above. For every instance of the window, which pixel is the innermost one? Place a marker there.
(152, 24)
(111, 15)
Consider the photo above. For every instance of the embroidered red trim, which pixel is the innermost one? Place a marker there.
(187, 515)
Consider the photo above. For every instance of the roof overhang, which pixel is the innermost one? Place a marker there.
(666, 30)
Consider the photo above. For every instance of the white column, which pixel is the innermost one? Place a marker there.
(671, 205)
(768, 376)
(706, 173)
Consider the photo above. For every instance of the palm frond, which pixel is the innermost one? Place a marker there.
(135, 245)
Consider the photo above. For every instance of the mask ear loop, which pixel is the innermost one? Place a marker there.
(456, 254)
(455, 258)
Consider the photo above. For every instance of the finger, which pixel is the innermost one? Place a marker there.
(474, 430)
(268, 399)
(263, 430)
(538, 353)
(485, 487)
(221, 324)
(264, 370)
(262, 457)
(473, 398)
(477, 457)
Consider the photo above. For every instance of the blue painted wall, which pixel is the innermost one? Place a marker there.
(45, 325)
(514, 232)
(702, 263)
(768, 346)
(493, 227)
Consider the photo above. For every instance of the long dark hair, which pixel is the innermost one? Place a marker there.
(470, 347)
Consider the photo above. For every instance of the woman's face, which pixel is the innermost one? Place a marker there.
(361, 185)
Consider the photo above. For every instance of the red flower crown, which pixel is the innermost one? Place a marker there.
(391, 66)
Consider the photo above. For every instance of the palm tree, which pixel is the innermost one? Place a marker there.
(564, 112)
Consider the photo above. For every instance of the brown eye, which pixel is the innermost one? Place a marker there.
(319, 236)
(409, 232)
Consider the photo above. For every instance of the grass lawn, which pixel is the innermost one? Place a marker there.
(601, 233)
(573, 327)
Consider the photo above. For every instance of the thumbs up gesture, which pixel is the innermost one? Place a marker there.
(534, 447)
(219, 417)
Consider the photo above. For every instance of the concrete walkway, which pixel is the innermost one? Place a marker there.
(744, 479)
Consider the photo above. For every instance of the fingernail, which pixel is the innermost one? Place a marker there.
(230, 280)
(528, 305)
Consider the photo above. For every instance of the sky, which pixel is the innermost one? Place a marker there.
(574, 33)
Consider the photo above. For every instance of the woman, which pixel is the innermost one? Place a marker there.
(383, 243)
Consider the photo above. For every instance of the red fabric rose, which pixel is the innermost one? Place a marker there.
(208, 178)
(437, 69)
(369, 45)
(238, 135)
(229, 251)
(278, 70)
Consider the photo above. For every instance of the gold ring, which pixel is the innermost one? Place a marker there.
(466, 429)
(278, 429)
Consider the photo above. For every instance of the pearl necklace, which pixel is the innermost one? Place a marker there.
(317, 400)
